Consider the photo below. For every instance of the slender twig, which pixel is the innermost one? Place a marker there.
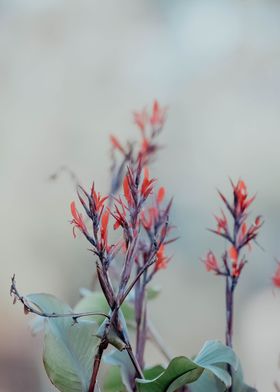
(30, 309)
(96, 364)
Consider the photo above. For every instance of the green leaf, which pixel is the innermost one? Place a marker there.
(238, 384)
(113, 379)
(118, 376)
(214, 353)
(68, 348)
(182, 370)
(208, 381)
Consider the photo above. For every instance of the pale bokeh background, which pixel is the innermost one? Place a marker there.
(71, 72)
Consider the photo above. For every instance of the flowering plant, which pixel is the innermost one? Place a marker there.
(100, 328)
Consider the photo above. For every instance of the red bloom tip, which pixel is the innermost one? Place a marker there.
(77, 219)
(233, 254)
(276, 277)
(258, 220)
(157, 118)
(104, 225)
(116, 144)
(126, 191)
(222, 223)
(160, 195)
(244, 229)
(97, 199)
(210, 261)
(161, 259)
(147, 186)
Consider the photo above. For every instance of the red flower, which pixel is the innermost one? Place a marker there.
(160, 195)
(77, 220)
(222, 223)
(120, 216)
(147, 186)
(211, 263)
(116, 144)
(97, 199)
(233, 254)
(276, 276)
(241, 197)
(127, 191)
(161, 261)
(104, 228)
(157, 118)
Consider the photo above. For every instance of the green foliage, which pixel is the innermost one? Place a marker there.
(182, 370)
(119, 374)
(208, 382)
(68, 348)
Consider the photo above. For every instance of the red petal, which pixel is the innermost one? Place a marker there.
(160, 195)
(74, 211)
(233, 254)
(117, 144)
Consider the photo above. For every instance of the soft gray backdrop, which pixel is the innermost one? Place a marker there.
(71, 72)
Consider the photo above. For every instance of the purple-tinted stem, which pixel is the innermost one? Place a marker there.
(230, 285)
(141, 319)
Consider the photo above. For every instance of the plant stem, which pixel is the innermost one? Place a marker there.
(230, 285)
(96, 364)
(229, 310)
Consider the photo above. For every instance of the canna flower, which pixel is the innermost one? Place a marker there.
(98, 201)
(146, 187)
(242, 234)
(127, 190)
(210, 262)
(222, 224)
(160, 195)
(161, 261)
(77, 221)
(104, 229)
(116, 144)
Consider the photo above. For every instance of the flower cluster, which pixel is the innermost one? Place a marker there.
(239, 235)
(150, 126)
(139, 211)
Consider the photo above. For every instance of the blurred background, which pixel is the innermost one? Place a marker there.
(71, 73)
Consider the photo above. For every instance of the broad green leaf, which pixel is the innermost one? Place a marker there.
(182, 370)
(119, 375)
(154, 371)
(113, 379)
(208, 381)
(214, 353)
(68, 348)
